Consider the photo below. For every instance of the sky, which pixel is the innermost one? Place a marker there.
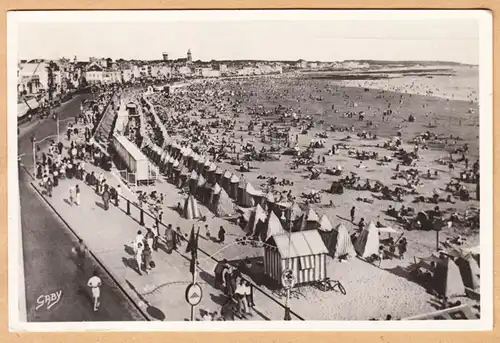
(454, 40)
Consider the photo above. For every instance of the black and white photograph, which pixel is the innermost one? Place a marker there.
(284, 169)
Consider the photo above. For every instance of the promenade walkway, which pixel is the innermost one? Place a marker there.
(108, 234)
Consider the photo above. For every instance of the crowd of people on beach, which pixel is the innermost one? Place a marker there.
(205, 116)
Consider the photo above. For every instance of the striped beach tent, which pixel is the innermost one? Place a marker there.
(303, 252)
(191, 210)
(338, 242)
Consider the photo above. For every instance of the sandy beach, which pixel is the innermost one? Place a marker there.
(326, 104)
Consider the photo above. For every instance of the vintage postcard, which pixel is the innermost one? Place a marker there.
(282, 170)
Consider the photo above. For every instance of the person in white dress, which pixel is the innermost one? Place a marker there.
(95, 284)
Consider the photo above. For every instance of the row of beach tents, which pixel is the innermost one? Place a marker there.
(201, 177)
(264, 224)
(217, 188)
(452, 276)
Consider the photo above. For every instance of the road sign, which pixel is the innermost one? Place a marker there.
(288, 279)
(194, 294)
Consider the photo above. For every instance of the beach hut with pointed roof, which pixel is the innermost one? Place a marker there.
(368, 241)
(233, 186)
(183, 178)
(223, 206)
(201, 164)
(218, 174)
(201, 181)
(338, 241)
(303, 252)
(211, 173)
(191, 210)
(447, 279)
(194, 161)
(273, 227)
(170, 166)
(225, 181)
(469, 270)
(214, 192)
(247, 194)
(256, 222)
(193, 181)
(206, 166)
(324, 224)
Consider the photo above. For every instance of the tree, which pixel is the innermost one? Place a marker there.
(83, 82)
(50, 72)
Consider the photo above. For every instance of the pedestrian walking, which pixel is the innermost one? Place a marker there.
(207, 231)
(95, 284)
(178, 237)
(353, 213)
(49, 187)
(118, 194)
(402, 246)
(241, 298)
(169, 239)
(56, 178)
(138, 239)
(149, 237)
(77, 192)
(222, 235)
(79, 254)
(361, 224)
(147, 258)
(105, 198)
(156, 234)
(71, 190)
(249, 294)
(219, 269)
(138, 256)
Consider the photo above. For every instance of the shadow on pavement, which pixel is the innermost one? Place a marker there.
(154, 312)
(101, 205)
(219, 299)
(68, 202)
(131, 263)
(208, 278)
(262, 315)
(129, 250)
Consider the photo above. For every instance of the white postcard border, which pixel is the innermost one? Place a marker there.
(16, 285)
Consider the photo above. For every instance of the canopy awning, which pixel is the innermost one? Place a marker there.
(32, 103)
(22, 109)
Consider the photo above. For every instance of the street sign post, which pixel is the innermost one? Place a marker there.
(194, 294)
(288, 279)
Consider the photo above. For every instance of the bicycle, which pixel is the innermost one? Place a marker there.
(328, 284)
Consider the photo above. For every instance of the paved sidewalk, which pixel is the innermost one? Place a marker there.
(161, 293)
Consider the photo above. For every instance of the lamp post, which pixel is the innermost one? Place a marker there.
(59, 121)
(33, 144)
(287, 222)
